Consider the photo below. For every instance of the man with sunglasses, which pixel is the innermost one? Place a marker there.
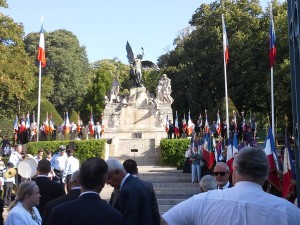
(221, 173)
(245, 203)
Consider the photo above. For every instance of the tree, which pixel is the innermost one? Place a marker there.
(16, 68)
(67, 69)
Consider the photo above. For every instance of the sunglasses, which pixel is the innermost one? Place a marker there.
(219, 173)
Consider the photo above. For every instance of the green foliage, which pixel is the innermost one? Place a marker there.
(47, 107)
(7, 127)
(173, 150)
(84, 149)
(73, 117)
(67, 68)
(16, 68)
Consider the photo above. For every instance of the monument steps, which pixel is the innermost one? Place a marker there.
(171, 186)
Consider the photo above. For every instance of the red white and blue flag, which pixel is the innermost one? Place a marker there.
(41, 52)
(176, 128)
(218, 127)
(184, 126)
(67, 124)
(91, 127)
(271, 153)
(28, 121)
(272, 40)
(225, 42)
(190, 125)
(167, 124)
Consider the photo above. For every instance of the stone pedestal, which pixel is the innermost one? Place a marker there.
(141, 119)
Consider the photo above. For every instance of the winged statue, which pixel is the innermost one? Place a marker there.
(137, 64)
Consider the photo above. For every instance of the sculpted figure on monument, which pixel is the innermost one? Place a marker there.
(164, 90)
(136, 65)
(114, 92)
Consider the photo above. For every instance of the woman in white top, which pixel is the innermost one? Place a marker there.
(22, 210)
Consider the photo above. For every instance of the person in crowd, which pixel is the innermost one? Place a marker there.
(98, 130)
(171, 130)
(49, 189)
(1, 211)
(15, 158)
(207, 183)
(58, 164)
(72, 165)
(22, 210)
(7, 150)
(49, 155)
(72, 195)
(222, 174)
(89, 208)
(133, 192)
(196, 157)
(8, 185)
(5, 143)
(246, 202)
(39, 155)
(73, 131)
(187, 165)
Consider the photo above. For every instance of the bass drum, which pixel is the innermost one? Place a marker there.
(27, 168)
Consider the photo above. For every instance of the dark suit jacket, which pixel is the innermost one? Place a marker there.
(49, 191)
(1, 211)
(135, 202)
(88, 209)
(72, 195)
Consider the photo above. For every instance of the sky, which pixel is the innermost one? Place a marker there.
(104, 26)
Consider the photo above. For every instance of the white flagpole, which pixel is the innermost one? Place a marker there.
(225, 75)
(272, 84)
(39, 97)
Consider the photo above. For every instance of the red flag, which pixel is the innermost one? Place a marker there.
(41, 53)
(272, 39)
(91, 127)
(46, 124)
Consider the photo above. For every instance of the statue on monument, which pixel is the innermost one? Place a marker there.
(136, 65)
(114, 92)
(164, 90)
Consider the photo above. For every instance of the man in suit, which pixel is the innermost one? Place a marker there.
(49, 189)
(130, 166)
(135, 197)
(89, 208)
(221, 173)
(72, 195)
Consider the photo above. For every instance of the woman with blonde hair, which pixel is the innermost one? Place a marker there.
(22, 210)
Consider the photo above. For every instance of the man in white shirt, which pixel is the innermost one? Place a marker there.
(72, 165)
(15, 158)
(97, 131)
(73, 131)
(245, 203)
(58, 164)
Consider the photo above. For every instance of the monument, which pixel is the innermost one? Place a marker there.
(137, 122)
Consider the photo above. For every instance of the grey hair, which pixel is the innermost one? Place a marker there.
(252, 162)
(25, 189)
(75, 176)
(208, 182)
(223, 165)
(114, 164)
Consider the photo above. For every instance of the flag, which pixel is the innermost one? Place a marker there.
(272, 39)
(218, 127)
(167, 124)
(78, 123)
(232, 150)
(211, 156)
(225, 42)
(22, 128)
(205, 151)
(27, 121)
(270, 151)
(67, 124)
(190, 127)
(176, 128)
(184, 126)
(16, 128)
(91, 127)
(41, 53)
(287, 169)
(51, 124)
(206, 126)
(218, 152)
(46, 124)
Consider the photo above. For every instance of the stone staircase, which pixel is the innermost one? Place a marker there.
(170, 185)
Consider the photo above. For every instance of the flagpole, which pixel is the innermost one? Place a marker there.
(225, 76)
(272, 102)
(272, 31)
(39, 97)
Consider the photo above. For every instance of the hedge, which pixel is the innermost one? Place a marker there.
(173, 152)
(84, 148)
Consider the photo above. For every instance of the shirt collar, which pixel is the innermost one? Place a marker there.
(124, 179)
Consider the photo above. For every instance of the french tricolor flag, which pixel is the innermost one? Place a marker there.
(225, 42)
(41, 53)
(272, 40)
